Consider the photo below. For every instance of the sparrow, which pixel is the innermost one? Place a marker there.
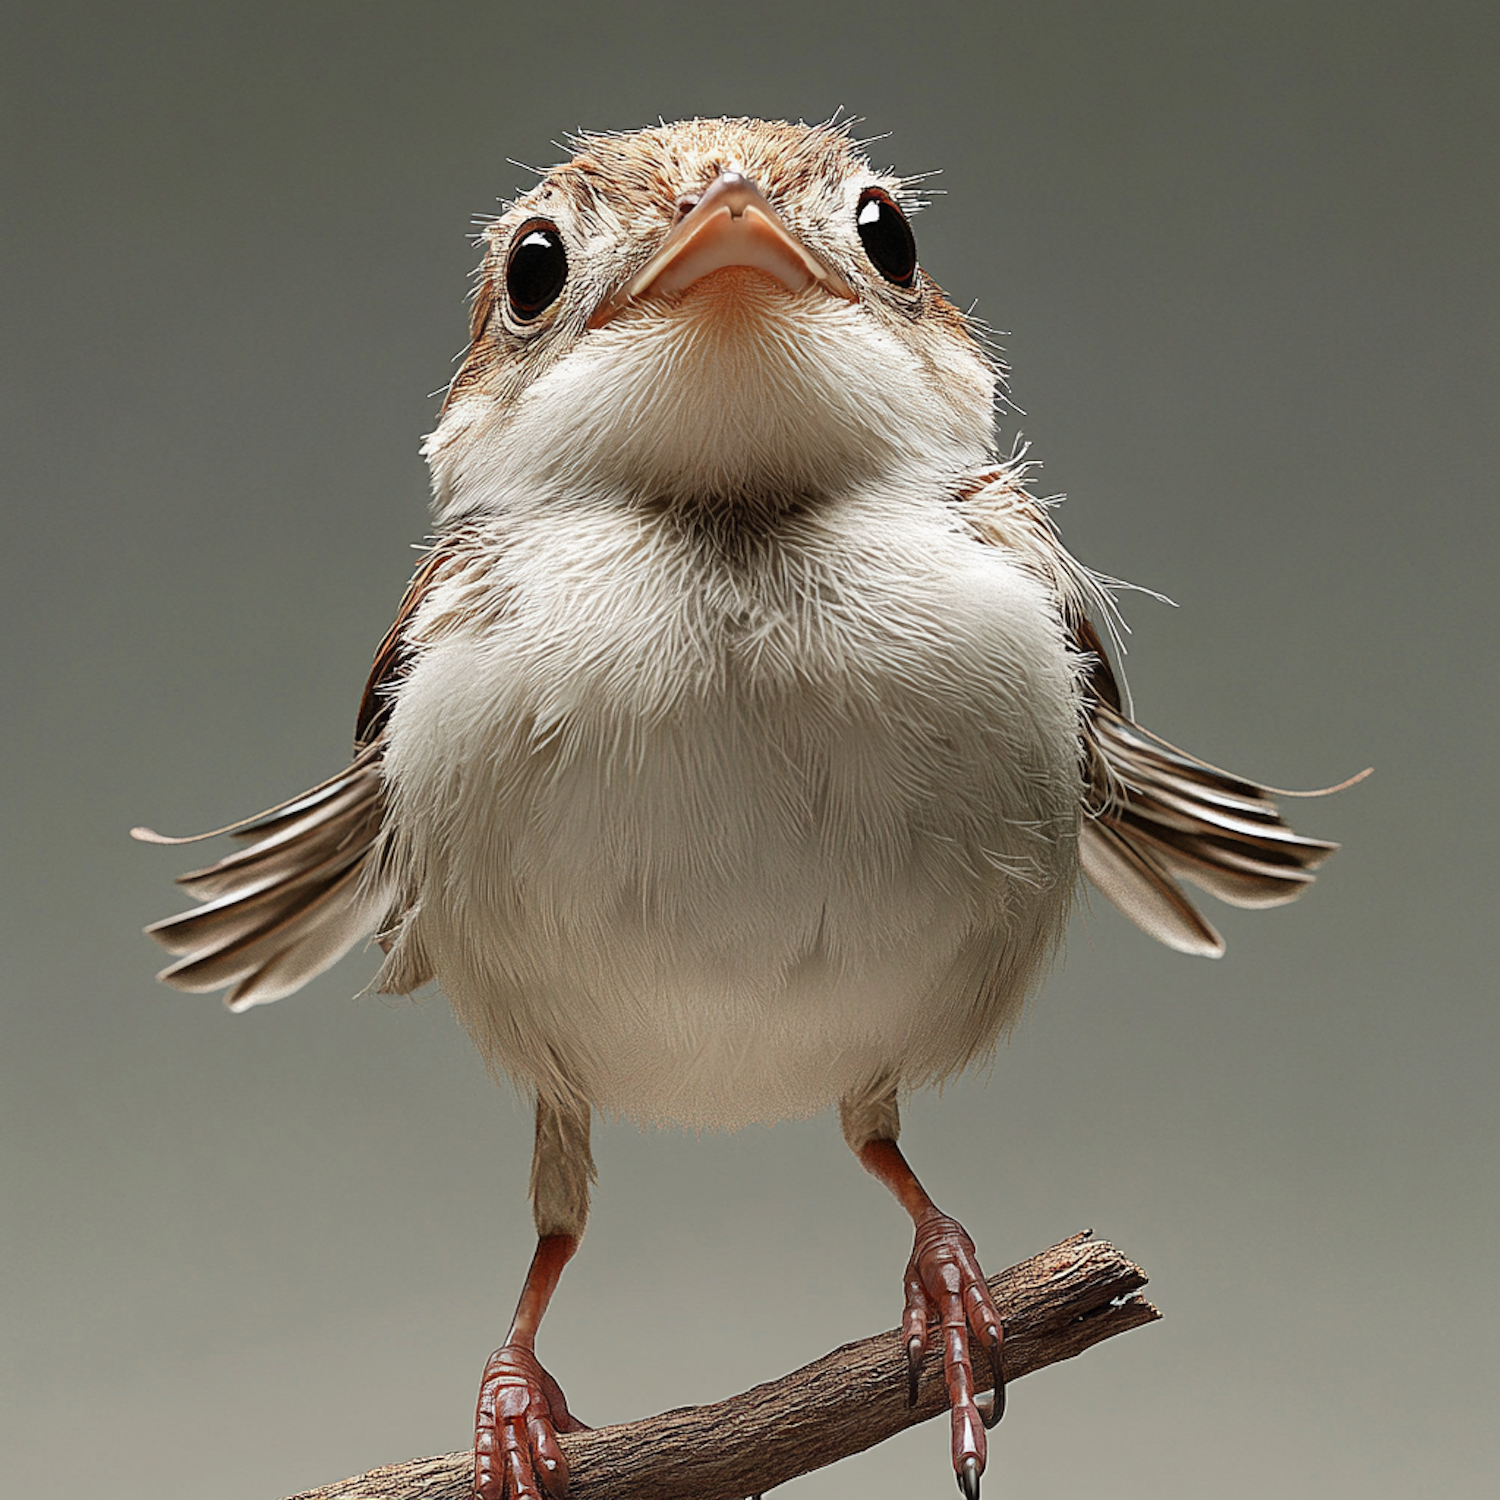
(745, 731)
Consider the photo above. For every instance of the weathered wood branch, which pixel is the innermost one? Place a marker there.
(1055, 1305)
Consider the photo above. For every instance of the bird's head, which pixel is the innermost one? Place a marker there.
(729, 312)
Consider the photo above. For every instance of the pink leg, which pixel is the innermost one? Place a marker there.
(944, 1283)
(521, 1407)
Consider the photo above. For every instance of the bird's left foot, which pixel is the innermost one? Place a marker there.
(944, 1285)
(521, 1411)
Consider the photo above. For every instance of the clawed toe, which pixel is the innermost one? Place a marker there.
(915, 1348)
(994, 1406)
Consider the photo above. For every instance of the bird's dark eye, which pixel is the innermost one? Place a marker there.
(536, 271)
(887, 237)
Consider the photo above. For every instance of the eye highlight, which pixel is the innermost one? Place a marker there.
(887, 237)
(536, 270)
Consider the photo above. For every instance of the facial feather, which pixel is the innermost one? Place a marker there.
(737, 389)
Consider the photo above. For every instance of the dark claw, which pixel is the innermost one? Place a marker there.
(968, 1478)
(913, 1369)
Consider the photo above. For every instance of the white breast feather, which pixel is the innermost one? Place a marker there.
(717, 837)
(724, 854)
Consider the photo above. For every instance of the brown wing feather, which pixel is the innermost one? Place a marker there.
(393, 656)
(290, 904)
(302, 893)
(1137, 884)
(1157, 815)
(1154, 815)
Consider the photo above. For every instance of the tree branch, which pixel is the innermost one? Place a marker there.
(1056, 1305)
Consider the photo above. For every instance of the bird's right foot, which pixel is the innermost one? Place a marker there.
(945, 1287)
(521, 1410)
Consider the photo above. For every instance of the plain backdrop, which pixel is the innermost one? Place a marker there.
(1243, 259)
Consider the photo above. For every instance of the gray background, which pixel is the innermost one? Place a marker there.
(1245, 258)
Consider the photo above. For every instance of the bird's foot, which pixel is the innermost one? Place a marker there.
(944, 1285)
(521, 1410)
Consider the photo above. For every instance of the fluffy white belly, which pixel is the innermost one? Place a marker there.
(715, 843)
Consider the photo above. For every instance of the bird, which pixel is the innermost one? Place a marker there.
(746, 732)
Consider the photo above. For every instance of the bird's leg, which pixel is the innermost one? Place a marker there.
(944, 1284)
(521, 1407)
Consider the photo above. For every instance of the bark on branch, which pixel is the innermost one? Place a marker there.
(1055, 1305)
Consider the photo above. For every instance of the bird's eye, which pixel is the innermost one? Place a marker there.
(887, 237)
(536, 271)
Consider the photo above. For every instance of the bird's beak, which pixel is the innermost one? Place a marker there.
(730, 225)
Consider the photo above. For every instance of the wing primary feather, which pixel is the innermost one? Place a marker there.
(1173, 810)
(227, 958)
(290, 969)
(1233, 886)
(1153, 813)
(301, 893)
(288, 847)
(241, 910)
(292, 903)
(1132, 881)
(1157, 814)
(368, 756)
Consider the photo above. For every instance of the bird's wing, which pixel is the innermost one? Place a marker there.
(1153, 814)
(303, 890)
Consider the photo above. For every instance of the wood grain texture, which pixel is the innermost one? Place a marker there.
(1056, 1305)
